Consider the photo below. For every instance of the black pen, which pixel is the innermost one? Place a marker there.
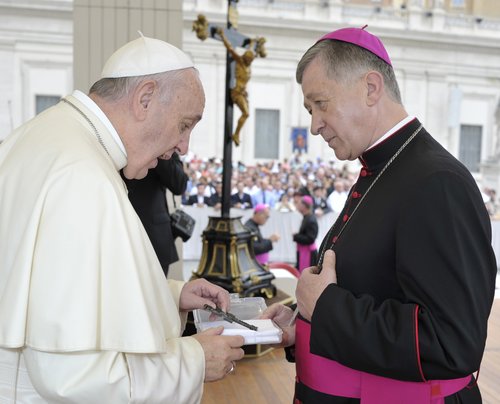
(229, 317)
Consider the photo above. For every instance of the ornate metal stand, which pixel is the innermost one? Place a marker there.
(228, 259)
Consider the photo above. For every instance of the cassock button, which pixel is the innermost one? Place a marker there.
(356, 195)
(363, 172)
(335, 238)
(345, 218)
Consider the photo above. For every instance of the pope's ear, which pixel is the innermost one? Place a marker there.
(374, 87)
(142, 98)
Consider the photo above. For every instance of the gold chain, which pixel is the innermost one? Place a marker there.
(96, 132)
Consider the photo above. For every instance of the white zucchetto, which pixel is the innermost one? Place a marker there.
(145, 56)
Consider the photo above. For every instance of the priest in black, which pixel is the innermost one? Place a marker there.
(305, 238)
(148, 198)
(262, 246)
(396, 309)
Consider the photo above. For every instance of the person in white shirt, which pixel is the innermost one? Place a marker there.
(336, 199)
(264, 195)
(86, 314)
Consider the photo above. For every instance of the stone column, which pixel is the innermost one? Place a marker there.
(102, 26)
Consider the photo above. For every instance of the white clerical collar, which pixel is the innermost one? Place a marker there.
(393, 130)
(90, 104)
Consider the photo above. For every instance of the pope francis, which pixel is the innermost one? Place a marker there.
(86, 314)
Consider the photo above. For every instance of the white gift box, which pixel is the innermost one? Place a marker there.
(247, 309)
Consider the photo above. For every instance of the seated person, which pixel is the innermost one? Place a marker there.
(241, 199)
(320, 206)
(285, 203)
(215, 199)
(199, 199)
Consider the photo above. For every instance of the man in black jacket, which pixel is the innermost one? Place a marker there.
(215, 199)
(149, 200)
(199, 199)
(306, 237)
(240, 199)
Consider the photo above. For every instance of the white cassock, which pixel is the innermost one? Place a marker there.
(86, 314)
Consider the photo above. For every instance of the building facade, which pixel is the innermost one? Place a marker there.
(446, 55)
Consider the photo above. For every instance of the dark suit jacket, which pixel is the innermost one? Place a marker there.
(193, 200)
(148, 198)
(214, 199)
(245, 200)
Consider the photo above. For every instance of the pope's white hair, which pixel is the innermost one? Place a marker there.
(115, 89)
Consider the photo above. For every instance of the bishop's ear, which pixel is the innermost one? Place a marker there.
(375, 87)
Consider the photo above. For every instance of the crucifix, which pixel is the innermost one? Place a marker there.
(237, 76)
(228, 259)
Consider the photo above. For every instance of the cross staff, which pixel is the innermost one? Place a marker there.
(237, 76)
(239, 65)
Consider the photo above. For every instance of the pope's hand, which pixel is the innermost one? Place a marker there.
(281, 315)
(220, 352)
(195, 294)
(311, 285)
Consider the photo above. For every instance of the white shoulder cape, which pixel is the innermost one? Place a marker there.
(77, 270)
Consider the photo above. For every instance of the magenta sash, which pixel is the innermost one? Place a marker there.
(262, 258)
(330, 377)
(305, 255)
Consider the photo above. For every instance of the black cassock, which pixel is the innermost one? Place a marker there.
(308, 232)
(415, 268)
(261, 245)
(149, 201)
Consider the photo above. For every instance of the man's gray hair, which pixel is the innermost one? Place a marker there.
(346, 62)
(114, 89)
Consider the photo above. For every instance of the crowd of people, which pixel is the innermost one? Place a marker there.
(278, 184)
